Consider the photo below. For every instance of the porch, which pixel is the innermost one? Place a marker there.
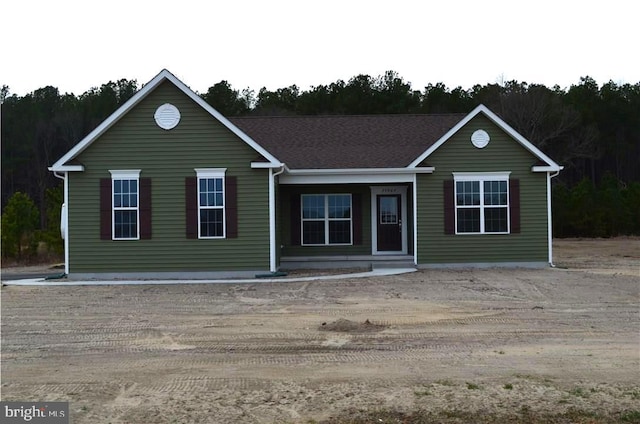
(369, 262)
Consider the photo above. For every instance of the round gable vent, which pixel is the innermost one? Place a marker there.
(480, 138)
(167, 116)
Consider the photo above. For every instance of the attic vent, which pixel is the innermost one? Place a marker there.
(167, 116)
(480, 139)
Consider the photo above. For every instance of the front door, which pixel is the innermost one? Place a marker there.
(389, 223)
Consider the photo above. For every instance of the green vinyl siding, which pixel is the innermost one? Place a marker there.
(501, 154)
(168, 157)
(330, 250)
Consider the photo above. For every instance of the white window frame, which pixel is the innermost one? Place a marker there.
(207, 173)
(326, 219)
(481, 178)
(120, 175)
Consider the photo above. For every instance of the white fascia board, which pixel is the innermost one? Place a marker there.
(547, 168)
(361, 171)
(352, 176)
(496, 120)
(266, 165)
(66, 168)
(139, 96)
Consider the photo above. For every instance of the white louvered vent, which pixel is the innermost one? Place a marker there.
(480, 139)
(167, 116)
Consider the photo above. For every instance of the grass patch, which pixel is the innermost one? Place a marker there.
(630, 417)
(508, 386)
(579, 392)
(448, 383)
(523, 416)
(473, 386)
(635, 394)
(424, 392)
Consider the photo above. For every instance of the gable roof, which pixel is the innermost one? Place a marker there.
(164, 75)
(347, 141)
(547, 163)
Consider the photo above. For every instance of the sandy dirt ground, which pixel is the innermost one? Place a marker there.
(488, 341)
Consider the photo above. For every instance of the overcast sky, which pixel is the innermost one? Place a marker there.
(76, 45)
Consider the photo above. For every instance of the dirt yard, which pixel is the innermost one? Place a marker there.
(486, 342)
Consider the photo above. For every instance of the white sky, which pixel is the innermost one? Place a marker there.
(76, 45)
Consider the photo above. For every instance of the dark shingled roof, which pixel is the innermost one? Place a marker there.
(347, 141)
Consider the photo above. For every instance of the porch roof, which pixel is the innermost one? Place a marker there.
(351, 141)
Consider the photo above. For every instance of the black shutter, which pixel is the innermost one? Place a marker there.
(356, 205)
(449, 207)
(191, 205)
(514, 205)
(295, 219)
(105, 208)
(231, 206)
(145, 208)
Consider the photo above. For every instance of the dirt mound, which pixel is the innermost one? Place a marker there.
(347, 326)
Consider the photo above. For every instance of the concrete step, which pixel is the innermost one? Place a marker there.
(392, 264)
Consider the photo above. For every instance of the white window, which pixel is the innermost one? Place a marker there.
(125, 216)
(211, 216)
(482, 203)
(326, 219)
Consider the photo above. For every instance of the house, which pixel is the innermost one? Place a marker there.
(168, 187)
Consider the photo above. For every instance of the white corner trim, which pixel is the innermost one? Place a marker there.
(496, 120)
(137, 98)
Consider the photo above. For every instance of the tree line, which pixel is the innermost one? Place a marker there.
(591, 129)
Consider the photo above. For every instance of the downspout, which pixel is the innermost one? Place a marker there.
(549, 222)
(415, 219)
(65, 219)
(272, 217)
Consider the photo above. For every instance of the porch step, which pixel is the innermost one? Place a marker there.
(350, 261)
(392, 264)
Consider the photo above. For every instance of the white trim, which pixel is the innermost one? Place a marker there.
(164, 75)
(64, 218)
(549, 217)
(120, 175)
(546, 169)
(326, 219)
(273, 204)
(375, 191)
(353, 176)
(415, 219)
(125, 174)
(361, 171)
(265, 165)
(212, 173)
(66, 168)
(66, 226)
(481, 177)
(476, 176)
(500, 123)
(549, 225)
